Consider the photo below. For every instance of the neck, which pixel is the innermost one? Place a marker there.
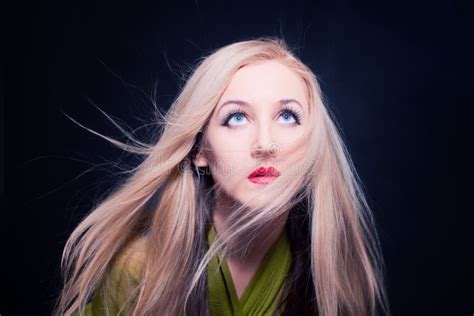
(261, 243)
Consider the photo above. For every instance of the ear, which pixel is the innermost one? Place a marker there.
(200, 160)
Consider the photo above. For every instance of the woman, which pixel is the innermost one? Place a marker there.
(247, 204)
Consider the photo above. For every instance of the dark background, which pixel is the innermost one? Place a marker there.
(397, 75)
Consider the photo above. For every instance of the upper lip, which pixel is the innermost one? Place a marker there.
(262, 171)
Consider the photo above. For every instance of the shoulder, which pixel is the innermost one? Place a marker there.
(129, 263)
(125, 275)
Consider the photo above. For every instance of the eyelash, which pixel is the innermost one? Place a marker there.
(296, 114)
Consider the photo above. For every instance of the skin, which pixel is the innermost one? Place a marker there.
(248, 142)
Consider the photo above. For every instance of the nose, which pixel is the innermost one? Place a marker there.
(264, 147)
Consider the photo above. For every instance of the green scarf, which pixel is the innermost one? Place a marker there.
(261, 295)
(259, 298)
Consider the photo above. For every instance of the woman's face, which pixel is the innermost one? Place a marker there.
(261, 120)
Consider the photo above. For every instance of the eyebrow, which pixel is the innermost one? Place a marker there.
(246, 104)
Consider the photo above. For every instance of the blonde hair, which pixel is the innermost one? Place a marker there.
(159, 216)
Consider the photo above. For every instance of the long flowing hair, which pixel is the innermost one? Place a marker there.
(154, 224)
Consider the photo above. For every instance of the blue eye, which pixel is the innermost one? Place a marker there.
(287, 113)
(238, 117)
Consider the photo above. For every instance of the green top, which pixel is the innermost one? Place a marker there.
(260, 297)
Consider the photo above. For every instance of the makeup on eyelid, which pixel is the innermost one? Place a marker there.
(295, 113)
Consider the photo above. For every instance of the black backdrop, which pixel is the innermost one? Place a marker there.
(396, 75)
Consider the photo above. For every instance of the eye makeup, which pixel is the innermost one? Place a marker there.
(286, 110)
(230, 115)
(296, 113)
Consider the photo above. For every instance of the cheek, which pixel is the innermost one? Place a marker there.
(228, 161)
(226, 157)
(290, 143)
(294, 155)
(228, 166)
(228, 148)
(228, 174)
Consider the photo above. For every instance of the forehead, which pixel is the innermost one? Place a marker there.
(266, 81)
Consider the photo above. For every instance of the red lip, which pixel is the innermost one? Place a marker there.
(265, 172)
